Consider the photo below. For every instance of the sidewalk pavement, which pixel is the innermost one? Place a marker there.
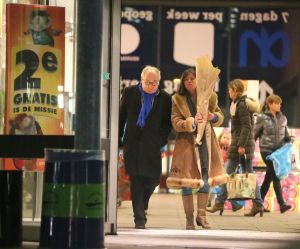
(165, 229)
(201, 239)
(166, 211)
(208, 239)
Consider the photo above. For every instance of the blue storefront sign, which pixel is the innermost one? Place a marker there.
(249, 43)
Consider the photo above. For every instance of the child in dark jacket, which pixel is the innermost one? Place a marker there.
(272, 130)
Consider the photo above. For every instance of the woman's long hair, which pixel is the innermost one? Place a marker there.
(238, 86)
(182, 90)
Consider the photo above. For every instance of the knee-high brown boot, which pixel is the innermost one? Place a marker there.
(201, 212)
(188, 204)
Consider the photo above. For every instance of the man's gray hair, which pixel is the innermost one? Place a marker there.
(148, 69)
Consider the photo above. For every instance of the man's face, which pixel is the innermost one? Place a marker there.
(150, 82)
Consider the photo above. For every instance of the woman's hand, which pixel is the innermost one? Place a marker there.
(241, 150)
(198, 118)
(210, 116)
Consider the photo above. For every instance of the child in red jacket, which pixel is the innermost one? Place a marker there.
(224, 142)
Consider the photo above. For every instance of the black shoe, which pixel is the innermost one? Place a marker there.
(266, 210)
(119, 202)
(255, 210)
(139, 226)
(216, 207)
(284, 208)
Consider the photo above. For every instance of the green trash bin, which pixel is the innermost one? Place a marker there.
(11, 186)
(73, 199)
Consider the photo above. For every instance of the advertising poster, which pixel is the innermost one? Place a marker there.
(265, 46)
(188, 33)
(34, 73)
(248, 43)
(139, 42)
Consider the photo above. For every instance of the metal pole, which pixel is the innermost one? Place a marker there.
(228, 66)
(114, 37)
(89, 43)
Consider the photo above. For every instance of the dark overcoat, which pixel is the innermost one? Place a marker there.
(242, 125)
(142, 146)
(271, 131)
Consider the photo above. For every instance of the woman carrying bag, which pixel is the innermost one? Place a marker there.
(271, 129)
(242, 143)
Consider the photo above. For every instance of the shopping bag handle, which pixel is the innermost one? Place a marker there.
(242, 161)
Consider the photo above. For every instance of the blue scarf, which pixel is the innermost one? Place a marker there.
(147, 101)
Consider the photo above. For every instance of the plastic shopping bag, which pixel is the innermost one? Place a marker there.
(282, 160)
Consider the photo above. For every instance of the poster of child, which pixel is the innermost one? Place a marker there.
(24, 124)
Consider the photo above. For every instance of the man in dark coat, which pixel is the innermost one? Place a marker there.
(144, 125)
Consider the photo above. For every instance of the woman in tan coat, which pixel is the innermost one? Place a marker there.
(194, 161)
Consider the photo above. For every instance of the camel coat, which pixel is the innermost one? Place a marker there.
(186, 162)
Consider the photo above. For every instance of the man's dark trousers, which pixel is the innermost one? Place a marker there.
(141, 190)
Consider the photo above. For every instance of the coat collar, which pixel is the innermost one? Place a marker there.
(278, 114)
(180, 102)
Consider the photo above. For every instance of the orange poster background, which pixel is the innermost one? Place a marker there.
(35, 44)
